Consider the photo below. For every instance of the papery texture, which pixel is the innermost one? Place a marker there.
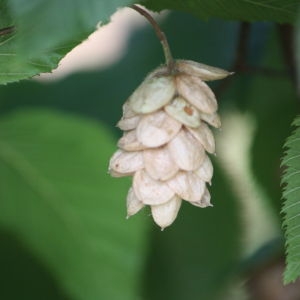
(152, 94)
(166, 140)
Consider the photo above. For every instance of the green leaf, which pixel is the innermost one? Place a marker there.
(15, 63)
(243, 10)
(22, 276)
(291, 206)
(45, 32)
(16, 66)
(57, 197)
(44, 24)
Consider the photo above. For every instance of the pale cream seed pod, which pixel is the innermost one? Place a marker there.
(131, 123)
(166, 137)
(188, 186)
(205, 171)
(127, 111)
(197, 93)
(134, 205)
(157, 129)
(204, 201)
(159, 164)
(186, 151)
(151, 191)
(152, 94)
(125, 163)
(204, 72)
(205, 136)
(129, 142)
(183, 112)
(165, 214)
(211, 119)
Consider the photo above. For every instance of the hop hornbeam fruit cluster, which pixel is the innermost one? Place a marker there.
(166, 140)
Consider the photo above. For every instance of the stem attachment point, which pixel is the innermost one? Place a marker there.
(160, 34)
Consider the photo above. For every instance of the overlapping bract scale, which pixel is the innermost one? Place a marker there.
(157, 129)
(159, 164)
(197, 92)
(152, 94)
(186, 151)
(149, 190)
(166, 137)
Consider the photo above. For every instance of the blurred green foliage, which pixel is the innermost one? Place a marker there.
(49, 126)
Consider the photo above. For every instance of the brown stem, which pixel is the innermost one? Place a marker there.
(286, 35)
(160, 34)
(240, 62)
(241, 50)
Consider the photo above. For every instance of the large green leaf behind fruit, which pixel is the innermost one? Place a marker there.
(56, 196)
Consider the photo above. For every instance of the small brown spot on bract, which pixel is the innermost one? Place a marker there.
(188, 110)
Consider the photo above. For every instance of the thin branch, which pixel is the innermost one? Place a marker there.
(240, 63)
(286, 35)
(264, 71)
(241, 50)
(240, 56)
(160, 34)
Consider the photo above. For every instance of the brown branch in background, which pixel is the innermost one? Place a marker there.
(286, 35)
(240, 57)
(240, 63)
(266, 283)
(241, 51)
(7, 30)
(264, 71)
